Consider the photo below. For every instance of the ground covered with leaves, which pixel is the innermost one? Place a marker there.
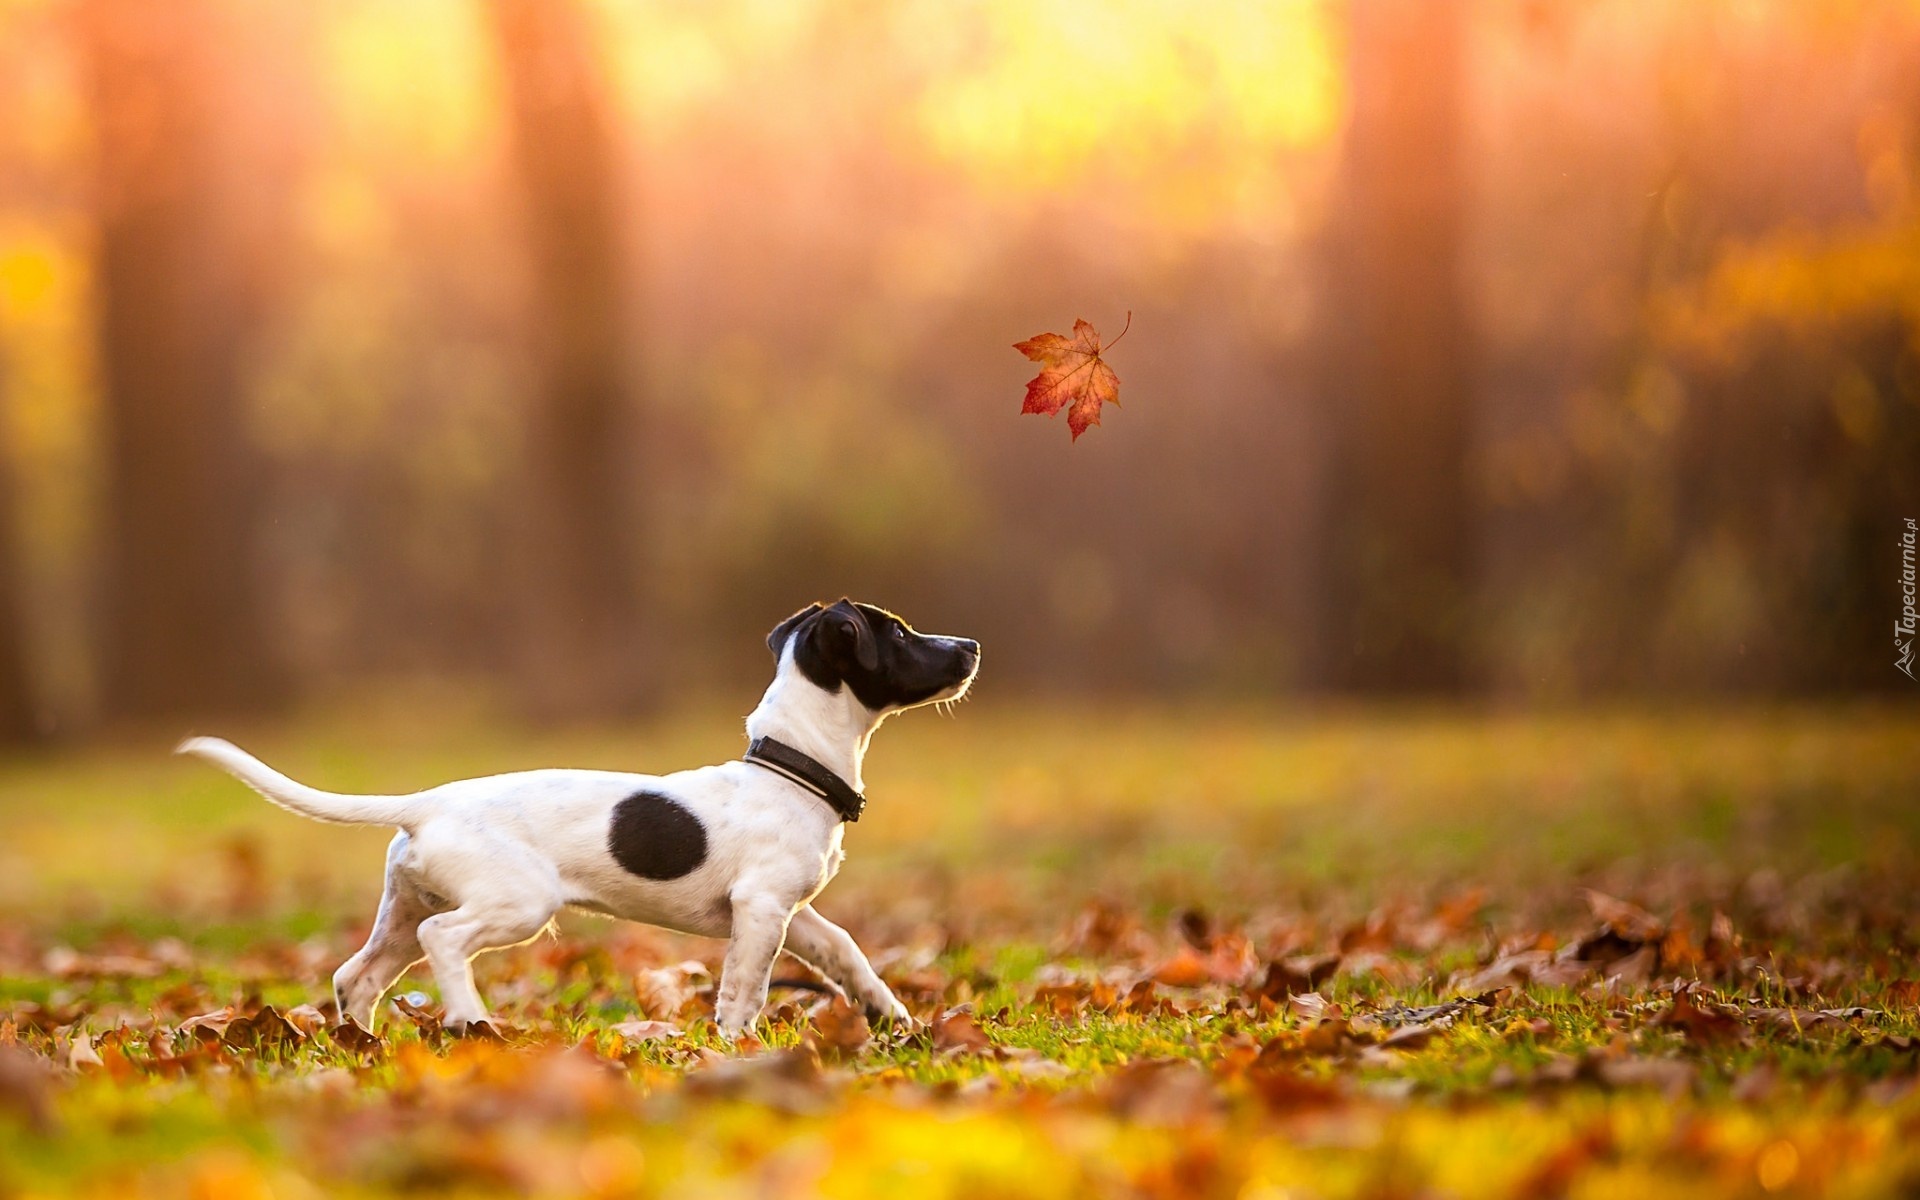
(1228, 953)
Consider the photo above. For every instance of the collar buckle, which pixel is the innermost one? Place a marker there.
(809, 773)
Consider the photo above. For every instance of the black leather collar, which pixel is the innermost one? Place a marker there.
(809, 774)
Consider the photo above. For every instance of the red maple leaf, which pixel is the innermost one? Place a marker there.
(1072, 375)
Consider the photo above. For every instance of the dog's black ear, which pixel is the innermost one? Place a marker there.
(777, 640)
(850, 634)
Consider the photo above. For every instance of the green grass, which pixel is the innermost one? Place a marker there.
(992, 838)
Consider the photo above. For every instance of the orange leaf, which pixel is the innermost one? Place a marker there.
(958, 1031)
(1072, 376)
(1184, 969)
(839, 1030)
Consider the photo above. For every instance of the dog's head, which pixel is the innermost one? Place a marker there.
(886, 662)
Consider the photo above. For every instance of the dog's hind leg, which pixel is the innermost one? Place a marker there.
(393, 946)
(452, 939)
(832, 951)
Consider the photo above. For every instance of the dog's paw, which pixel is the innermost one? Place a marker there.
(895, 1016)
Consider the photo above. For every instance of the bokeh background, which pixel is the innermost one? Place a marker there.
(554, 349)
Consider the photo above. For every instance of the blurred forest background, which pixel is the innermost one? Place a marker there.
(1541, 349)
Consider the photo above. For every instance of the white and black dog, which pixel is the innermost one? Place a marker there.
(733, 851)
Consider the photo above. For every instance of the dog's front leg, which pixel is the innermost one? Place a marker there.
(759, 928)
(832, 951)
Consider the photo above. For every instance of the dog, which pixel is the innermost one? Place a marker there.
(735, 851)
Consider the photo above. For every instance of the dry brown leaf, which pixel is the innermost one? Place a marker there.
(1287, 1091)
(26, 1087)
(958, 1032)
(1331, 1036)
(1635, 969)
(1159, 1092)
(350, 1037)
(635, 1033)
(421, 1017)
(264, 1030)
(1554, 1175)
(1102, 929)
(786, 1081)
(1700, 1023)
(307, 1019)
(1413, 1037)
(81, 1054)
(68, 963)
(1142, 1000)
(666, 993)
(839, 1030)
(1625, 920)
(1062, 999)
(1185, 969)
(208, 1027)
(1300, 973)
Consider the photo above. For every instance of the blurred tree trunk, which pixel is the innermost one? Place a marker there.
(18, 713)
(183, 626)
(1397, 544)
(583, 648)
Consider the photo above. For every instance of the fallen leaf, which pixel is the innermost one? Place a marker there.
(666, 993)
(1413, 1037)
(1700, 1023)
(1331, 1036)
(1625, 920)
(1673, 1076)
(839, 1030)
(1104, 928)
(26, 1087)
(80, 1052)
(1167, 1091)
(1526, 966)
(1072, 375)
(1554, 1174)
(1756, 1085)
(1635, 969)
(68, 963)
(307, 1019)
(1300, 973)
(264, 1030)
(413, 1008)
(635, 1033)
(958, 1031)
(1185, 969)
(1035, 1067)
(1142, 1000)
(208, 1027)
(1061, 999)
(788, 1081)
(1287, 1091)
(350, 1037)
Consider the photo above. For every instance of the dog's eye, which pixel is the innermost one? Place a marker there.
(900, 633)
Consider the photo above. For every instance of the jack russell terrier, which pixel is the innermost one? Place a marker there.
(734, 851)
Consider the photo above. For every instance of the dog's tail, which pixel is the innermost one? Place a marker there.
(295, 797)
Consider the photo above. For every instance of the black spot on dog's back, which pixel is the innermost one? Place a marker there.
(655, 838)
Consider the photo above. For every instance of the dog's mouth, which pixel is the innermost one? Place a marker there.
(950, 696)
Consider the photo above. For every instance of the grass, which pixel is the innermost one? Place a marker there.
(1101, 896)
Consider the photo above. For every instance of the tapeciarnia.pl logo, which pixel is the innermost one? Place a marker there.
(1903, 629)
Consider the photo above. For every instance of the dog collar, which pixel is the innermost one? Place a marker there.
(783, 759)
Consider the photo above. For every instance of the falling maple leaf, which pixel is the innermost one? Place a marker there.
(1072, 375)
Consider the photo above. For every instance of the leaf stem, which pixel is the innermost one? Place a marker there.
(1123, 332)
